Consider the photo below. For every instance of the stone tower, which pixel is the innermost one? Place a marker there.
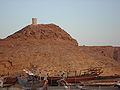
(34, 21)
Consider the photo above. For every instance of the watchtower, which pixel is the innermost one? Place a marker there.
(34, 21)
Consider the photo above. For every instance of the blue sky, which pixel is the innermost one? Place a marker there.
(90, 22)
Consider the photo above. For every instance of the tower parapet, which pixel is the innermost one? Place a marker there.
(34, 21)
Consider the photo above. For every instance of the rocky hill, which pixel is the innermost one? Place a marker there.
(43, 32)
(49, 49)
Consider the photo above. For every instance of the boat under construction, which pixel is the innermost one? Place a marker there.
(86, 74)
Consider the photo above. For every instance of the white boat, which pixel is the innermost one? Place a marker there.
(117, 84)
(32, 83)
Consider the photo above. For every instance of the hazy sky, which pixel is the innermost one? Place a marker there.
(90, 22)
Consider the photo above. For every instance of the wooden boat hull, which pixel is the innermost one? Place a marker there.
(79, 79)
(54, 80)
(8, 81)
(85, 74)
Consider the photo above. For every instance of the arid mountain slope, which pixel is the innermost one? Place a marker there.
(107, 51)
(51, 50)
